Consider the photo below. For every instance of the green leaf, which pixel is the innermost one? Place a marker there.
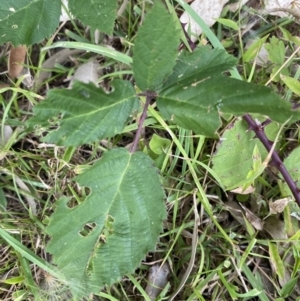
(28, 21)
(288, 287)
(292, 164)
(254, 49)
(111, 231)
(256, 170)
(233, 160)
(105, 51)
(99, 14)
(277, 70)
(275, 259)
(228, 23)
(3, 201)
(158, 144)
(86, 113)
(292, 83)
(198, 65)
(276, 51)
(196, 93)
(155, 48)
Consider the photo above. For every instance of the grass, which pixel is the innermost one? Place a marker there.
(224, 257)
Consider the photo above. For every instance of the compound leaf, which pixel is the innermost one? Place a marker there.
(110, 232)
(99, 14)
(197, 94)
(85, 113)
(28, 21)
(155, 48)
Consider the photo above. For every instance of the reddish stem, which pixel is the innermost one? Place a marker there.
(141, 122)
(260, 134)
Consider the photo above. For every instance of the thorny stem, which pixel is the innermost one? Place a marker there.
(260, 134)
(149, 96)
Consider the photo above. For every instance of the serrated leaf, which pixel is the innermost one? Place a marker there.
(196, 93)
(123, 217)
(28, 21)
(198, 65)
(86, 113)
(155, 48)
(276, 51)
(99, 14)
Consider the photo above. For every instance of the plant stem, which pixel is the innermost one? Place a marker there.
(141, 122)
(260, 134)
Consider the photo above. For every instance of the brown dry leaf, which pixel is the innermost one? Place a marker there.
(16, 60)
(235, 210)
(240, 190)
(279, 205)
(255, 221)
(275, 227)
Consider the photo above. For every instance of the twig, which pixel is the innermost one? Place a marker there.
(149, 96)
(189, 40)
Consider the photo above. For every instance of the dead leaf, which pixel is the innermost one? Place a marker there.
(240, 190)
(208, 10)
(275, 227)
(157, 280)
(16, 60)
(64, 16)
(7, 133)
(59, 57)
(282, 8)
(255, 221)
(279, 205)
(233, 7)
(235, 210)
(86, 73)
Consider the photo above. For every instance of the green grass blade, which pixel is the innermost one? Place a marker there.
(116, 55)
(25, 252)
